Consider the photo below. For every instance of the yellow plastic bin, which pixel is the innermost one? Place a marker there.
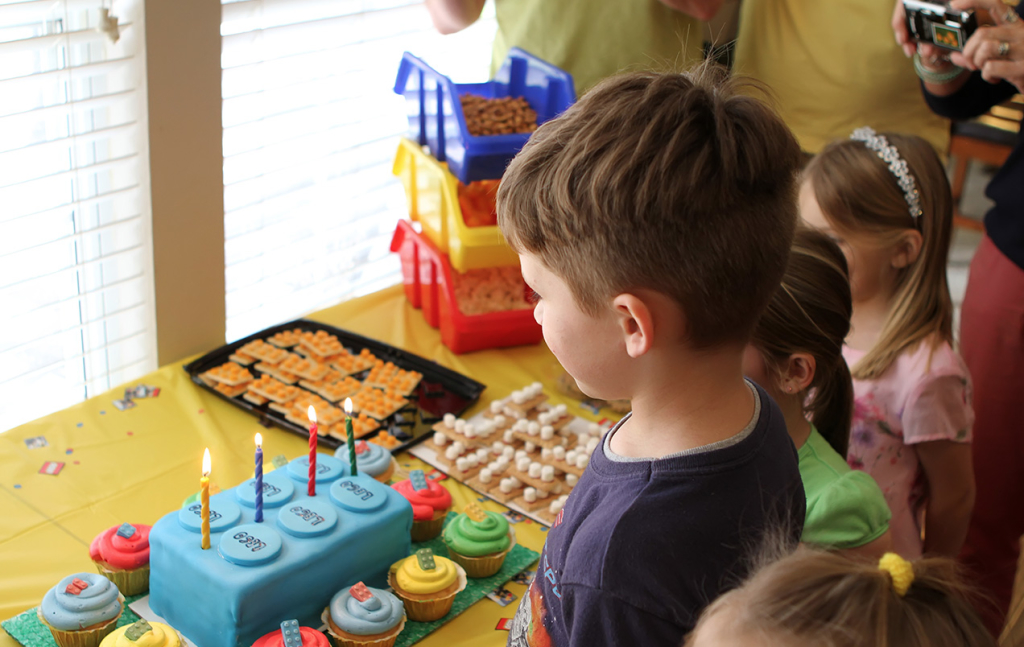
(433, 195)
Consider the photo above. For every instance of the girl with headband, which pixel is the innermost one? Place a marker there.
(812, 597)
(886, 200)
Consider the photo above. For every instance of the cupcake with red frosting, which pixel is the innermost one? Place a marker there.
(291, 634)
(430, 504)
(121, 554)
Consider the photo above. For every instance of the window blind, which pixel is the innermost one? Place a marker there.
(311, 126)
(76, 303)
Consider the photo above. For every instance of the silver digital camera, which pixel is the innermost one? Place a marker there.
(935, 22)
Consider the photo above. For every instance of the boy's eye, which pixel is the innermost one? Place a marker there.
(531, 295)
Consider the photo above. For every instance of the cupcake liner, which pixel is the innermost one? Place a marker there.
(351, 640)
(484, 565)
(427, 609)
(385, 476)
(129, 582)
(424, 530)
(82, 637)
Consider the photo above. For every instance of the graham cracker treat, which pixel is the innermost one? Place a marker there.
(231, 391)
(263, 351)
(350, 364)
(376, 403)
(229, 373)
(326, 413)
(386, 375)
(274, 390)
(362, 425)
(240, 358)
(551, 512)
(258, 400)
(321, 343)
(286, 338)
(335, 391)
(544, 436)
(506, 490)
(273, 371)
(535, 474)
(533, 500)
(304, 368)
(385, 440)
(470, 434)
(557, 417)
(497, 116)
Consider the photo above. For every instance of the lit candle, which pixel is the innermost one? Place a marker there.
(204, 495)
(259, 478)
(350, 437)
(311, 412)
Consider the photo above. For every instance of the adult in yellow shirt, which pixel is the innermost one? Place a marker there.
(834, 66)
(590, 39)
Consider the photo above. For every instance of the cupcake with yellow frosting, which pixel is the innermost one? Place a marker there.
(143, 634)
(478, 540)
(426, 584)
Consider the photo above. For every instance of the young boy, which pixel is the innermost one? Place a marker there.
(653, 220)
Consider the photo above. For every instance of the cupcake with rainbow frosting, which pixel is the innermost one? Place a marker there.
(121, 555)
(360, 616)
(291, 634)
(143, 634)
(478, 540)
(371, 459)
(430, 504)
(81, 610)
(427, 584)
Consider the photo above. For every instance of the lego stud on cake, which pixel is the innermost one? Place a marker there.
(291, 634)
(425, 557)
(418, 480)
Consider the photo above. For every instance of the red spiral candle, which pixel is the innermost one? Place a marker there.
(311, 412)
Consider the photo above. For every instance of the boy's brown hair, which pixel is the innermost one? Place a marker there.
(675, 183)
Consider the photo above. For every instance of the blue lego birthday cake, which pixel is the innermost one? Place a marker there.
(256, 575)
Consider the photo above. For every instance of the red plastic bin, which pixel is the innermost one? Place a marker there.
(427, 278)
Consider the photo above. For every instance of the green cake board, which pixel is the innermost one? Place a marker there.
(30, 632)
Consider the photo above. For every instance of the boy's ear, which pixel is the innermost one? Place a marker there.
(636, 323)
(907, 249)
(798, 372)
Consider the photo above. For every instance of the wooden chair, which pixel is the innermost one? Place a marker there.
(988, 139)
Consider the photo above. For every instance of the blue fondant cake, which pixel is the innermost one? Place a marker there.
(257, 575)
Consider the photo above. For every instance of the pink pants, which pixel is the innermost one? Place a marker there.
(992, 344)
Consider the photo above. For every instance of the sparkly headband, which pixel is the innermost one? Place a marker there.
(900, 570)
(897, 166)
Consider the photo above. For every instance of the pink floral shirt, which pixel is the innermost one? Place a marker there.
(915, 401)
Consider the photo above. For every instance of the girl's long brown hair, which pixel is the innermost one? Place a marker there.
(814, 597)
(861, 198)
(810, 313)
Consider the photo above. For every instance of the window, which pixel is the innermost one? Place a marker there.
(76, 304)
(311, 127)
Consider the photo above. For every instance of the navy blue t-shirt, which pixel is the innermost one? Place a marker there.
(642, 546)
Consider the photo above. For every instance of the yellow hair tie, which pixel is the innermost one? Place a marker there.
(900, 570)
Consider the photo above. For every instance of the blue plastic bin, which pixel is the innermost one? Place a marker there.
(436, 119)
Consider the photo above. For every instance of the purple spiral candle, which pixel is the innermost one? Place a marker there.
(259, 478)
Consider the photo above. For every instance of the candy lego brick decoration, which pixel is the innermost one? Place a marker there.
(126, 530)
(475, 512)
(425, 557)
(291, 634)
(137, 630)
(76, 587)
(362, 447)
(418, 480)
(360, 592)
(279, 461)
(229, 373)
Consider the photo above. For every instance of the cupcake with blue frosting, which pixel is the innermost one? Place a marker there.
(81, 610)
(360, 616)
(371, 459)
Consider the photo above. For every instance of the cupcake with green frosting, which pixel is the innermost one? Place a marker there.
(478, 540)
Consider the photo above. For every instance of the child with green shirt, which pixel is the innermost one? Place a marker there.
(796, 356)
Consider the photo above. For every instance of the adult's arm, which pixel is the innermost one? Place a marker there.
(699, 9)
(450, 16)
(947, 467)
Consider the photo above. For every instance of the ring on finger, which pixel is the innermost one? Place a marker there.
(1003, 49)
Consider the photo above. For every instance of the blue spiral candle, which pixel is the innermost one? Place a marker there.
(259, 478)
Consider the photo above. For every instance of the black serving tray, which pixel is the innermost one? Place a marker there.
(441, 391)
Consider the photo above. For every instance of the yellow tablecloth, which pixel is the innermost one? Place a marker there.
(140, 464)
